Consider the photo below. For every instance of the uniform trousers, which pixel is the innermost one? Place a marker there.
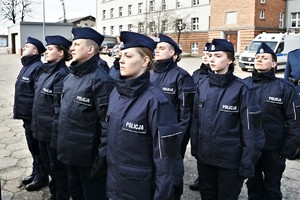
(38, 169)
(267, 178)
(83, 187)
(217, 183)
(58, 172)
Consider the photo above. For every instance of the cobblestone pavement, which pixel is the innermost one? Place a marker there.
(15, 160)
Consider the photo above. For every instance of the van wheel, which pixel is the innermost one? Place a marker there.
(244, 69)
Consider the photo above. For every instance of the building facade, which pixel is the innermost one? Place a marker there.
(293, 16)
(194, 22)
(186, 21)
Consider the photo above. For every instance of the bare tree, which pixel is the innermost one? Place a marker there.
(12, 10)
(26, 8)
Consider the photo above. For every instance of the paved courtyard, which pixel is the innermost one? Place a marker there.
(15, 161)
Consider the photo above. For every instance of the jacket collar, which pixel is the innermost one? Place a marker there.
(85, 67)
(164, 65)
(263, 76)
(220, 80)
(50, 67)
(28, 60)
(133, 87)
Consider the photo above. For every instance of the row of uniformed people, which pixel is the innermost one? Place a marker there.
(142, 126)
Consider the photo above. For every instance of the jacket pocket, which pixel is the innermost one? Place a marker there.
(79, 147)
(136, 183)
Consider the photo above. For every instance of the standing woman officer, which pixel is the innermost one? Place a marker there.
(46, 109)
(229, 137)
(143, 133)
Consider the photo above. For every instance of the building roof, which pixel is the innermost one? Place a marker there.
(78, 19)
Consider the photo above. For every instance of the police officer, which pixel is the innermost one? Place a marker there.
(46, 109)
(292, 69)
(143, 155)
(280, 105)
(197, 76)
(175, 82)
(82, 128)
(23, 102)
(228, 132)
(114, 71)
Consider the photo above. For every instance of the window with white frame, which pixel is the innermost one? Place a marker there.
(164, 5)
(129, 9)
(261, 14)
(164, 25)
(152, 6)
(140, 8)
(281, 20)
(120, 11)
(194, 48)
(262, 1)
(196, 2)
(130, 27)
(231, 17)
(120, 28)
(178, 4)
(141, 27)
(295, 20)
(112, 30)
(104, 30)
(104, 14)
(111, 13)
(195, 24)
(152, 27)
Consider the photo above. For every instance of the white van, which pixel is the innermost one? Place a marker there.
(280, 43)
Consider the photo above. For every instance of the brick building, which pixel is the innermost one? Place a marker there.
(193, 21)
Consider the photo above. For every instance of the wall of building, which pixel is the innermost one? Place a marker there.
(23, 30)
(293, 6)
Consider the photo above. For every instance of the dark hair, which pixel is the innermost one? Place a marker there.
(231, 57)
(178, 58)
(143, 51)
(274, 58)
(67, 54)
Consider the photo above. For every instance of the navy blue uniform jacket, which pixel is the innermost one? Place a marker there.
(47, 102)
(179, 87)
(25, 84)
(143, 142)
(280, 107)
(226, 124)
(82, 129)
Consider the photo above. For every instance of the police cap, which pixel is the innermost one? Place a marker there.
(132, 39)
(167, 39)
(264, 48)
(38, 44)
(206, 47)
(221, 45)
(87, 33)
(58, 40)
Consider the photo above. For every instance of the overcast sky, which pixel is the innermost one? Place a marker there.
(54, 11)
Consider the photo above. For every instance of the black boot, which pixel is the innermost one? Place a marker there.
(27, 179)
(195, 186)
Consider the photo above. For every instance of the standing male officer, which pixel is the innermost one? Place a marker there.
(176, 83)
(280, 106)
(82, 127)
(23, 102)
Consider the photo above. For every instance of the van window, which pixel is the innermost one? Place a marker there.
(280, 47)
(255, 44)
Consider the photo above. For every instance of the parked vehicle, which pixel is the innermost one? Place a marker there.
(107, 47)
(280, 43)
